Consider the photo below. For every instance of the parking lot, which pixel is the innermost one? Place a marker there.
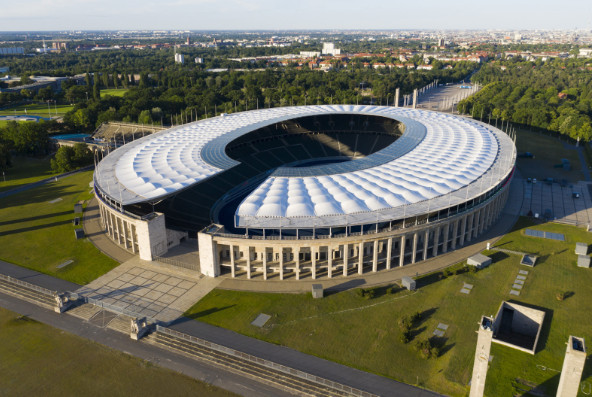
(557, 202)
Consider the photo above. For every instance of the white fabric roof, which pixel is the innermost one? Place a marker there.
(454, 153)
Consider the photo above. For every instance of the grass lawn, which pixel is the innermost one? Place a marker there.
(25, 170)
(37, 109)
(548, 151)
(114, 92)
(42, 360)
(37, 234)
(364, 333)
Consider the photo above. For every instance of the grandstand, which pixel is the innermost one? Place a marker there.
(308, 190)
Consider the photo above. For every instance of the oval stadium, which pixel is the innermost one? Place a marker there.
(309, 191)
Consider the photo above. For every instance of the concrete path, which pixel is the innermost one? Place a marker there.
(91, 223)
(34, 277)
(157, 291)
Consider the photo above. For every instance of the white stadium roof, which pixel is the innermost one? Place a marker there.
(451, 159)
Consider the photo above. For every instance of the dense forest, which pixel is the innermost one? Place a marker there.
(554, 95)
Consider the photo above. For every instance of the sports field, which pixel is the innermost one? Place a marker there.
(119, 92)
(37, 109)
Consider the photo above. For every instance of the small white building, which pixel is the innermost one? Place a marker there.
(179, 58)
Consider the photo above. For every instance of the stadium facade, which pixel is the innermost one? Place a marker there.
(309, 191)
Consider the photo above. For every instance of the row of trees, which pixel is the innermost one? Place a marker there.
(554, 95)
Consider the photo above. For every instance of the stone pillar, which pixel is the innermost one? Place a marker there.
(476, 223)
(402, 257)
(573, 366)
(375, 257)
(414, 248)
(396, 98)
(446, 235)
(470, 227)
(484, 336)
(232, 265)
(281, 263)
(425, 245)
(463, 229)
(329, 261)
(415, 98)
(248, 262)
(345, 258)
(482, 219)
(297, 260)
(360, 258)
(389, 251)
(313, 261)
(454, 234)
(436, 241)
(264, 263)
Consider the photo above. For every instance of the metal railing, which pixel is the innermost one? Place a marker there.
(25, 284)
(266, 363)
(174, 262)
(118, 310)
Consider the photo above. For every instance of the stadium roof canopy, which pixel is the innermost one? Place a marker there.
(440, 160)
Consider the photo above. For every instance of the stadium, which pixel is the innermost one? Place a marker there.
(307, 191)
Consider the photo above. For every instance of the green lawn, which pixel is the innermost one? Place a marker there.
(37, 109)
(114, 92)
(37, 234)
(42, 360)
(349, 329)
(548, 151)
(25, 170)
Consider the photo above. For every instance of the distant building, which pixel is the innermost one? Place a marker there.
(4, 69)
(584, 52)
(179, 58)
(198, 60)
(441, 42)
(310, 54)
(12, 51)
(329, 49)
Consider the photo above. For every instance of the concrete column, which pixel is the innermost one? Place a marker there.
(402, 257)
(436, 240)
(297, 259)
(484, 336)
(124, 224)
(415, 98)
(476, 224)
(281, 263)
(454, 234)
(329, 261)
(397, 98)
(232, 265)
(463, 229)
(360, 258)
(446, 235)
(389, 251)
(414, 248)
(375, 257)
(117, 230)
(470, 227)
(482, 219)
(264, 263)
(313, 261)
(425, 245)
(134, 250)
(345, 258)
(248, 262)
(573, 366)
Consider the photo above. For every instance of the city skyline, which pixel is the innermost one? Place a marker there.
(282, 15)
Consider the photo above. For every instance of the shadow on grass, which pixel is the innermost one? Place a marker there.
(36, 195)
(416, 331)
(344, 286)
(547, 388)
(207, 312)
(35, 218)
(546, 328)
(498, 256)
(425, 315)
(31, 228)
(440, 343)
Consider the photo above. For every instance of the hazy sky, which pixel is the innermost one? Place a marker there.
(294, 14)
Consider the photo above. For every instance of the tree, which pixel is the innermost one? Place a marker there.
(5, 160)
(63, 160)
(144, 117)
(96, 91)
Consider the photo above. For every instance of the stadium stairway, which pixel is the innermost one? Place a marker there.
(28, 294)
(244, 367)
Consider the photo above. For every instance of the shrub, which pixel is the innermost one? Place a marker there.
(427, 349)
(369, 294)
(405, 336)
(405, 323)
(360, 292)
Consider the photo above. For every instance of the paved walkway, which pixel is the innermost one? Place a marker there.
(149, 289)
(93, 230)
